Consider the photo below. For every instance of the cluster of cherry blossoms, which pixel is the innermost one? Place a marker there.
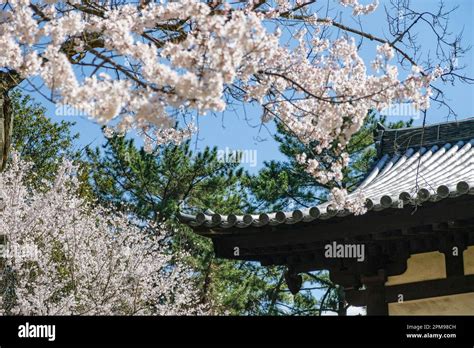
(336, 94)
(358, 9)
(65, 257)
(339, 200)
(143, 65)
(191, 73)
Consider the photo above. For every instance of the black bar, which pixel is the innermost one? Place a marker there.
(194, 331)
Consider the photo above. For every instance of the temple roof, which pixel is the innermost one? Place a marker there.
(415, 165)
(390, 141)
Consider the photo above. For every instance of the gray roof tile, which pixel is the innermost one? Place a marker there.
(418, 175)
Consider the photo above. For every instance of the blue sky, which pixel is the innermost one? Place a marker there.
(241, 129)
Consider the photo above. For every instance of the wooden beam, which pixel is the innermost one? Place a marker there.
(342, 228)
(430, 288)
(415, 291)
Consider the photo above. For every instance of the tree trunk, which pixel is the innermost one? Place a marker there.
(6, 128)
(8, 81)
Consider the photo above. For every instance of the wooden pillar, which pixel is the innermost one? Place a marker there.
(375, 290)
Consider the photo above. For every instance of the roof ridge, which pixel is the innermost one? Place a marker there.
(468, 119)
(391, 141)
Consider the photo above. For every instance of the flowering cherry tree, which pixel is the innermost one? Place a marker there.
(154, 66)
(63, 256)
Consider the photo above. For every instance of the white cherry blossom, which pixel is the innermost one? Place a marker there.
(66, 257)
